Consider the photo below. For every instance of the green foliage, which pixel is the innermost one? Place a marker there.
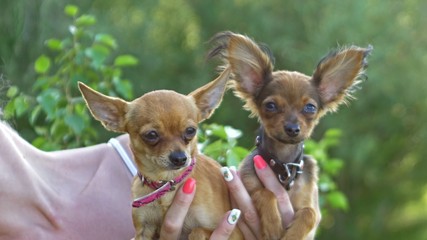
(330, 197)
(220, 143)
(55, 109)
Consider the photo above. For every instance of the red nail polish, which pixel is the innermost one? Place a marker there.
(259, 162)
(189, 185)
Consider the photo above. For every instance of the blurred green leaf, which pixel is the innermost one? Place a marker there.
(12, 92)
(337, 200)
(241, 151)
(58, 128)
(42, 64)
(35, 113)
(124, 88)
(21, 105)
(216, 130)
(9, 110)
(66, 43)
(85, 20)
(233, 158)
(71, 10)
(333, 133)
(98, 54)
(235, 155)
(41, 83)
(41, 130)
(107, 40)
(333, 166)
(48, 101)
(76, 123)
(54, 44)
(214, 150)
(326, 183)
(41, 143)
(125, 60)
(38, 142)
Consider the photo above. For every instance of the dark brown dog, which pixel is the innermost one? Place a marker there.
(288, 106)
(162, 127)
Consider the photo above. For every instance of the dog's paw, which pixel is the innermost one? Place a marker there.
(303, 225)
(272, 232)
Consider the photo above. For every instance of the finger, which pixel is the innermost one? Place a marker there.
(174, 218)
(242, 199)
(270, 181)
(246, 231)
(244, 228)
(226, 226)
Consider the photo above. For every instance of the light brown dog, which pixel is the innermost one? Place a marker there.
(162, 127)
(288, 106)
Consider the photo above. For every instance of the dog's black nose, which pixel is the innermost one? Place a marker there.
(292, 129)
(178, 158)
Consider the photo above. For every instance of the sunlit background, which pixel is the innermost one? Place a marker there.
(384, 130)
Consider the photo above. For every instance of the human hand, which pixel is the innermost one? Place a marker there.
(174, 218)
(270, 181)
(250, 226)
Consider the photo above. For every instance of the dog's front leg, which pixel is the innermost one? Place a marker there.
(271, 221)
(145, 231)
(200, 234)
(304, 221)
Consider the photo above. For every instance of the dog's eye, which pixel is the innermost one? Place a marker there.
(151, 136)
(271, 107)
(310, 108)
(190, 132)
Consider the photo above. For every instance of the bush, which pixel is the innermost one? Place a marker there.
(56, 110)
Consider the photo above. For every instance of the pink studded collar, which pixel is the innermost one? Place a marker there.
(161, 187)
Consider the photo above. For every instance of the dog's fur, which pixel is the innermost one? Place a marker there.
(288, 106)
(161, 126)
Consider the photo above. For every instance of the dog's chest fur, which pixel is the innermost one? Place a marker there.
(300, 193)
(153, 213)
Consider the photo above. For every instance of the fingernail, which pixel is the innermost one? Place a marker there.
(189, 186)
(228, 176)
(259, 162)
(233, 168)
(234, 216)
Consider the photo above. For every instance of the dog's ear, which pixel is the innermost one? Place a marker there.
(108, 110)
(209, 96)
(338, 73)
(251, 65)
